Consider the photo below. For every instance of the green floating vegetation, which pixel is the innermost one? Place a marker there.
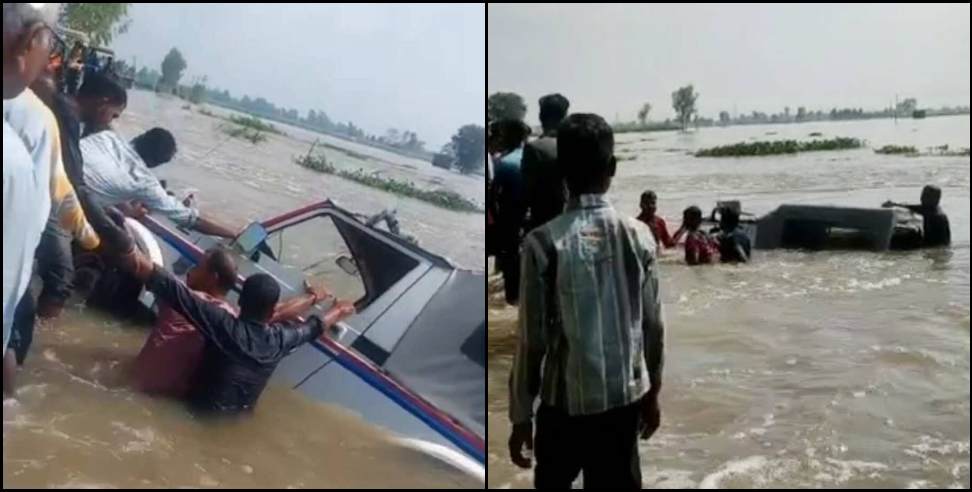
(250, 135)
(896, 149)
(779, 147)
(254, 123)
(441, 198)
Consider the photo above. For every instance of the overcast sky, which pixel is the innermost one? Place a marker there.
(611, 58)
(420, 68)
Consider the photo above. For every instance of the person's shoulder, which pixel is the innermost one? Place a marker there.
(639, 232)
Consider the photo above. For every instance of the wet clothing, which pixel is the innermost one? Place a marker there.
(700, 249)
(544, 186)
(936, 230)
(240, 355)
(604, 446)
(173, 353)
(659, 229)
(23, 191)
(22, 334)
(591, 330)
(730, 243)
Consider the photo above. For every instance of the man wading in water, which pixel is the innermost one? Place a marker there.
(591, 322)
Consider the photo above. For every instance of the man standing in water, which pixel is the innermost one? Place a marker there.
(936, 230)
(649, 215)
(591, 334)
(542, 179)
(242, 352)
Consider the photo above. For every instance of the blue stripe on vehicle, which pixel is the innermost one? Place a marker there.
(432, 421)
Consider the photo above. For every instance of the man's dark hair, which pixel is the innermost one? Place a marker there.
(585, 151)
(694, 211)
(98, 86)
(931, 196)
(156, 146)
(728, 217)
(553, 110)
(649, 195)
(222, 264)
(259, 298)
(511, 132)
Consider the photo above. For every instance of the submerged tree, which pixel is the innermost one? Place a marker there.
(683, 101)
(172, 68)
(643, 113)
(469, 144)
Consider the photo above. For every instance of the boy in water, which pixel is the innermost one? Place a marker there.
(700, 249)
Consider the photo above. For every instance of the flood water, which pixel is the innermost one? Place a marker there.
(76, 422)
(829, 369)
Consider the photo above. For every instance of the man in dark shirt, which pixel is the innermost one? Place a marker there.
(543, 180)
(506, 141)
(241, 352)
(98, 104)
(734, 244)
(936, 229)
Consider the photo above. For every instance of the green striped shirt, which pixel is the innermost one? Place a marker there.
(591, 326)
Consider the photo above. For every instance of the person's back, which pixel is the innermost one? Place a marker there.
(544, 187)
(591, 335)
(172, 355)
(936, 229)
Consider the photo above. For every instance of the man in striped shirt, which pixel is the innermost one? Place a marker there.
(591, 334)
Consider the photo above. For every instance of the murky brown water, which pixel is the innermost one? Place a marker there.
(836, 369)
(78, 425)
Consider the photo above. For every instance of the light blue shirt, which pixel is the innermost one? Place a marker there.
(26, 204)
(115, 173)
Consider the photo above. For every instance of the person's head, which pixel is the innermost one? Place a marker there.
(259, 298)
(507, 135)
(101, 100)
(585, 153)
(553, 110)
(931, 196)
(215, 274)
(156, 147)
(728, 218)
(28, 42)
(692, 218)
(77, 51)
(649, 203)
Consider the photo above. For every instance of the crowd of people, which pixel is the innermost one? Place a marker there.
(589, 360)
(71, 184)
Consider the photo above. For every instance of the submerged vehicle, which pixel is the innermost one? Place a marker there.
(412, 360)
(817, 227)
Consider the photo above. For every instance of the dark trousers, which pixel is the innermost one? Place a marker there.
(603, 446)
(55, 266)
(509, 263)
(22, 332)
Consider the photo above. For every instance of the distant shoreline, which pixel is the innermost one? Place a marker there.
(666, 127)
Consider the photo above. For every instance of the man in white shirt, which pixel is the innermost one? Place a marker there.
(27, 40)
(117, 172)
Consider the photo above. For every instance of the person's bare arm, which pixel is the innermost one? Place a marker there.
(206, 225)
(292, 309)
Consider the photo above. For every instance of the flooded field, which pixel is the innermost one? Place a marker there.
(820, 370)
(77, 424)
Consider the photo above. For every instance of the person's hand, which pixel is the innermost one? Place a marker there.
(135, 210)
(650, 416)
(320, 293)
(522, 436)
(340, 311)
